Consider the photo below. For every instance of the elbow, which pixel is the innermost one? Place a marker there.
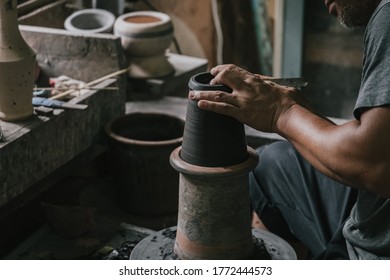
(376, 179)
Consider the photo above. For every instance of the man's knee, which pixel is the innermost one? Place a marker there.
(274, 157)
(268, 178)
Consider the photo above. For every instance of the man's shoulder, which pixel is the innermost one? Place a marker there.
(382, 11)
(380, 20)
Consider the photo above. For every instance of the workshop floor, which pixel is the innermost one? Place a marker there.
(86, 204)
(83, 222)
(91, 202)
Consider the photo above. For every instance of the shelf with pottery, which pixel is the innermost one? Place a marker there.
(38, 146)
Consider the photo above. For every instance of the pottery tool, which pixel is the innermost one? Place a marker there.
(75, 89)
(44, 111)
(41, 92)
(46, 102)
(90, 84)
(288, 82)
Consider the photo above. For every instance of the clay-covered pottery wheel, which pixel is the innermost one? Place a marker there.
(211, 139)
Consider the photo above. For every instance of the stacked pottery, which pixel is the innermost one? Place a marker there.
(214, 162)
(145, 37)
(17, 64)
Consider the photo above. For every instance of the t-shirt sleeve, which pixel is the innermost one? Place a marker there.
(375, 84)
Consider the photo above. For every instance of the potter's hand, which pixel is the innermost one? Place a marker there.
(255, 102)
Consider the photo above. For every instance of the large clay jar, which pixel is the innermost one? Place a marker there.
(17, 64)
(145, 37)
(140, 147)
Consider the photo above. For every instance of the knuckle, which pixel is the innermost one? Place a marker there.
(230, 66)
(250, 79)
(225, 107)
(219, 96)
(234, 97)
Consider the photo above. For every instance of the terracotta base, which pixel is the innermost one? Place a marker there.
(214, 218)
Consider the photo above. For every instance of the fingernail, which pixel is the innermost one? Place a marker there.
(192, 94)
(202, 104)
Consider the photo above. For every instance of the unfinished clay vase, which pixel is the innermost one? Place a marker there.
(145, 37)
(211, 139)
(17, 64)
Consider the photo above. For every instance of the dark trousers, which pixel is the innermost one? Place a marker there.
(294, 200)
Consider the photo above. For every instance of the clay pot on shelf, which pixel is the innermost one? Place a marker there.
(145, 37)
(17, 67)
(90, 21)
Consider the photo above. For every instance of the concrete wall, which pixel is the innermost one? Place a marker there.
(196, 32)
(332, 62)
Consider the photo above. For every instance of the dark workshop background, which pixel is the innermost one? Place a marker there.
(332, 55)
(331, 63)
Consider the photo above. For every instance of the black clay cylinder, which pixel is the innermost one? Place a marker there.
(211, 139)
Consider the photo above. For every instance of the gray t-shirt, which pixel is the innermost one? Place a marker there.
(367, 231)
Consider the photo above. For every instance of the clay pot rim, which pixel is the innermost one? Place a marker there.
(108, 16)
(158, 29)
(196, 84)
(213, 172)
(125, 140)
(163, 18)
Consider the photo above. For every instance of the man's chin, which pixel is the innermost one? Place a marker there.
(346, 25)
(350, 25)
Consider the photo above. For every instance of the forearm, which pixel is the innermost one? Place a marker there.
(344, 152)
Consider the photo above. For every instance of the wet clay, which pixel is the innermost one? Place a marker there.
(211, 139)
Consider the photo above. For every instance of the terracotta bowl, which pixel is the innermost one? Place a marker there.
(145, 37)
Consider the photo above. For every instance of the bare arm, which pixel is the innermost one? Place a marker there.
(354, 153)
